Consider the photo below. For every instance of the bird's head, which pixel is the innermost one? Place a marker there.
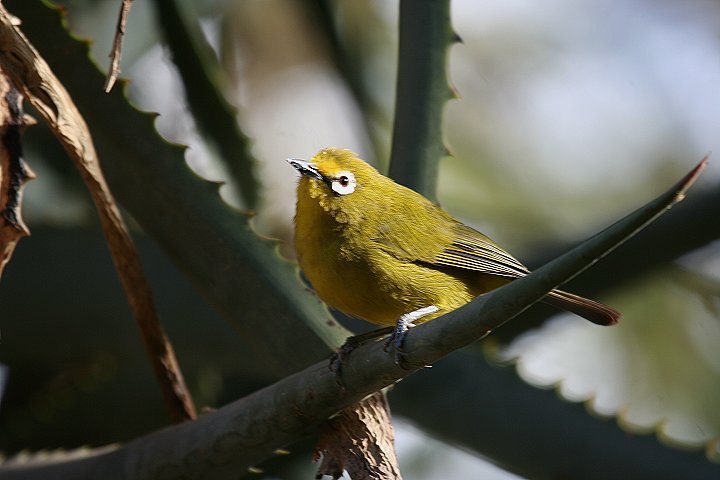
(341, 183)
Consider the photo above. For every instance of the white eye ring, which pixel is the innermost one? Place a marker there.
(343, 183)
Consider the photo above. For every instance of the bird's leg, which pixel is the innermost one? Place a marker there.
(351, 343)
(405, 323)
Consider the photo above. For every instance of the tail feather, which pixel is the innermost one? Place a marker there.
(591, 310)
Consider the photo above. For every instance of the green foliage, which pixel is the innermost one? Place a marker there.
(202, 80)
(211, 242)
(421, 92)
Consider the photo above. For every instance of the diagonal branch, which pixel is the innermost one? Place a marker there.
(478, 318)
(249, 430)
(635, 258)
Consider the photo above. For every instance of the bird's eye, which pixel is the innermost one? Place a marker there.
(344, 183)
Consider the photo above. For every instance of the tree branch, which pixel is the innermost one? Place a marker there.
(116, 53)
(249, 430)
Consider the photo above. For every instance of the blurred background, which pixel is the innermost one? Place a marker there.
(571, 114)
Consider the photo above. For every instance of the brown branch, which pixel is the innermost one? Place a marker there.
(359, 440)
(14, 173)
(33, 77)
(116, 53)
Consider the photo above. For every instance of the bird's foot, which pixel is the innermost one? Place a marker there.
(351, 343)
(403, 325)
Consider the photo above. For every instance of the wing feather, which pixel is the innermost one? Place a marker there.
(471, 250)
(451, 244)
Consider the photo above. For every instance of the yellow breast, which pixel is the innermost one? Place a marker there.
(362, 280)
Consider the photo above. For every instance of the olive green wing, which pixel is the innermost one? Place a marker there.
(471, 250)
(439, 240)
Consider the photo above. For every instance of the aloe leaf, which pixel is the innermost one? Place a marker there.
(531, 431)
(238, 272)
(201, 76)
(421, 93)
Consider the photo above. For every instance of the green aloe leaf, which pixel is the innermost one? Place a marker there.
(238, 272)
(201, 76)
(421, 93)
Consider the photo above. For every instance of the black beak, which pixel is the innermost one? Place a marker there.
(306, 168)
